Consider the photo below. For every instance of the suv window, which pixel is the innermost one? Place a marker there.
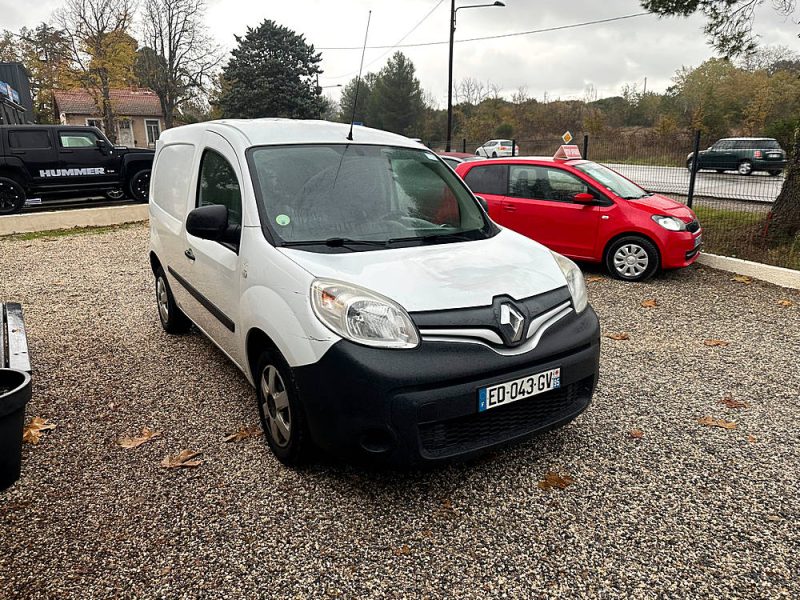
(218, 185)
(28, 139)
(489, 179)
(78, 139)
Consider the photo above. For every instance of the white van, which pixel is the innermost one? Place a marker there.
(364, 292)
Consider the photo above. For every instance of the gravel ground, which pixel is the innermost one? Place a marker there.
(683, 511)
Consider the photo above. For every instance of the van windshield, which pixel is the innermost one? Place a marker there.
(361, 197)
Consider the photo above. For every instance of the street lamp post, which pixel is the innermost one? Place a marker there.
(453, 11)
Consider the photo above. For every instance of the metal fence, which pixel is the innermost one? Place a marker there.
(734, 209)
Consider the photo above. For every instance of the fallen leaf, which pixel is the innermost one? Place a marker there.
(166, 570)
(594, 278)
(716, 343)
(427, 533)
(447, 504)
(731, 402)
(649, 303)
(711, 422)
(402, 550)
(135, 442)
(636, 433)
(32, 432)
(184, 459)
(554, 480)
(618, 336)
(243, 434)
(752, 439)
(742, 279)
(785, 303)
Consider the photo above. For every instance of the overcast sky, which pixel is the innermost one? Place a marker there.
(560, 63)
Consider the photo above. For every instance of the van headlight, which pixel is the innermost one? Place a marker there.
(362, 316)
(575, 282)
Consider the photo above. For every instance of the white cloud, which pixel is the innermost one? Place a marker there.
(560, 63)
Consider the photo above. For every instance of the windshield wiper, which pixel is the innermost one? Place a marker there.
(338, 242)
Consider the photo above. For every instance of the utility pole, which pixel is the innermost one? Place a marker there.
(450, 76)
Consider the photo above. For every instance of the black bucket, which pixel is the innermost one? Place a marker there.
(15, 391)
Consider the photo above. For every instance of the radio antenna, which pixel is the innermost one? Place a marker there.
(358, 80)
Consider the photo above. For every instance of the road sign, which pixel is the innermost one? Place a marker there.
(567, 137)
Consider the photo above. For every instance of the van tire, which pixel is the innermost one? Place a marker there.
(636, 246)
(139, 185)
(12, 196)
(280, 408)
(172, 318)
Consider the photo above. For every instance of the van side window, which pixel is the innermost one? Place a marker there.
(489, 179)
(218, 185)
(29, 139)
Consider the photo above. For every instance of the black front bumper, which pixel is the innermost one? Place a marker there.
(421, 405)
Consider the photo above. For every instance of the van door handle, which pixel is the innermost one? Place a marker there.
(509, 207)
(189, 254)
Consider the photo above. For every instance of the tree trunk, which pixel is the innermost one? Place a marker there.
(785, 223)
(108, 112)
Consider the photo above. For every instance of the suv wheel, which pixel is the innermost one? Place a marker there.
(12, 196)
(632, 258)
(139, 185)
(745, 168)
(172, 318)
(279, 408)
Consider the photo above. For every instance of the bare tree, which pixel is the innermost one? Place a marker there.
(179, 53)
(471, 91)
(101, 48)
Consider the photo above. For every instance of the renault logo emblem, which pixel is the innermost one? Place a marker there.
(511, 323)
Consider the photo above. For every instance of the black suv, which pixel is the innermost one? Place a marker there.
(68, 161)
(743, 155)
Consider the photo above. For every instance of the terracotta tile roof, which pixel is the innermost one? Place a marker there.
(140, 102)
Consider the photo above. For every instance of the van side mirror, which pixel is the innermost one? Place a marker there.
(583, 198)
(208, 222)
(484, 204)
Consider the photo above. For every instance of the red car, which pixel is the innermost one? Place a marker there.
(588, 212)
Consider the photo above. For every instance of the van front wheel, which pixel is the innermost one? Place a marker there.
(172, 318)
(281, 413)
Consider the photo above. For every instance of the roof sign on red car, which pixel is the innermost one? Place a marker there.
(567, 152)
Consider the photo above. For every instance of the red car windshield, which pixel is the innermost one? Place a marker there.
(612, 181)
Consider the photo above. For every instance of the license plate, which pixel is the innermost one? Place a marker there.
(773, 155)
(698, 240)
(518, 389)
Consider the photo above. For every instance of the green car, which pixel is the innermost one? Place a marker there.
(743, 155)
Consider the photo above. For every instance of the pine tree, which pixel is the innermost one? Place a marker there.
(272, 73)
(395, 103)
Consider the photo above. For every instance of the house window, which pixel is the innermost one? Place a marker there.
(95, 123)
(153, 131)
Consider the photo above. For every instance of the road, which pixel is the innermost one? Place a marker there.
(675, 180)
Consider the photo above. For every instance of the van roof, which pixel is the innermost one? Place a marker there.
(274, 131)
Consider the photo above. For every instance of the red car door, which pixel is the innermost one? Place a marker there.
(540, 205)
(491, 183)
